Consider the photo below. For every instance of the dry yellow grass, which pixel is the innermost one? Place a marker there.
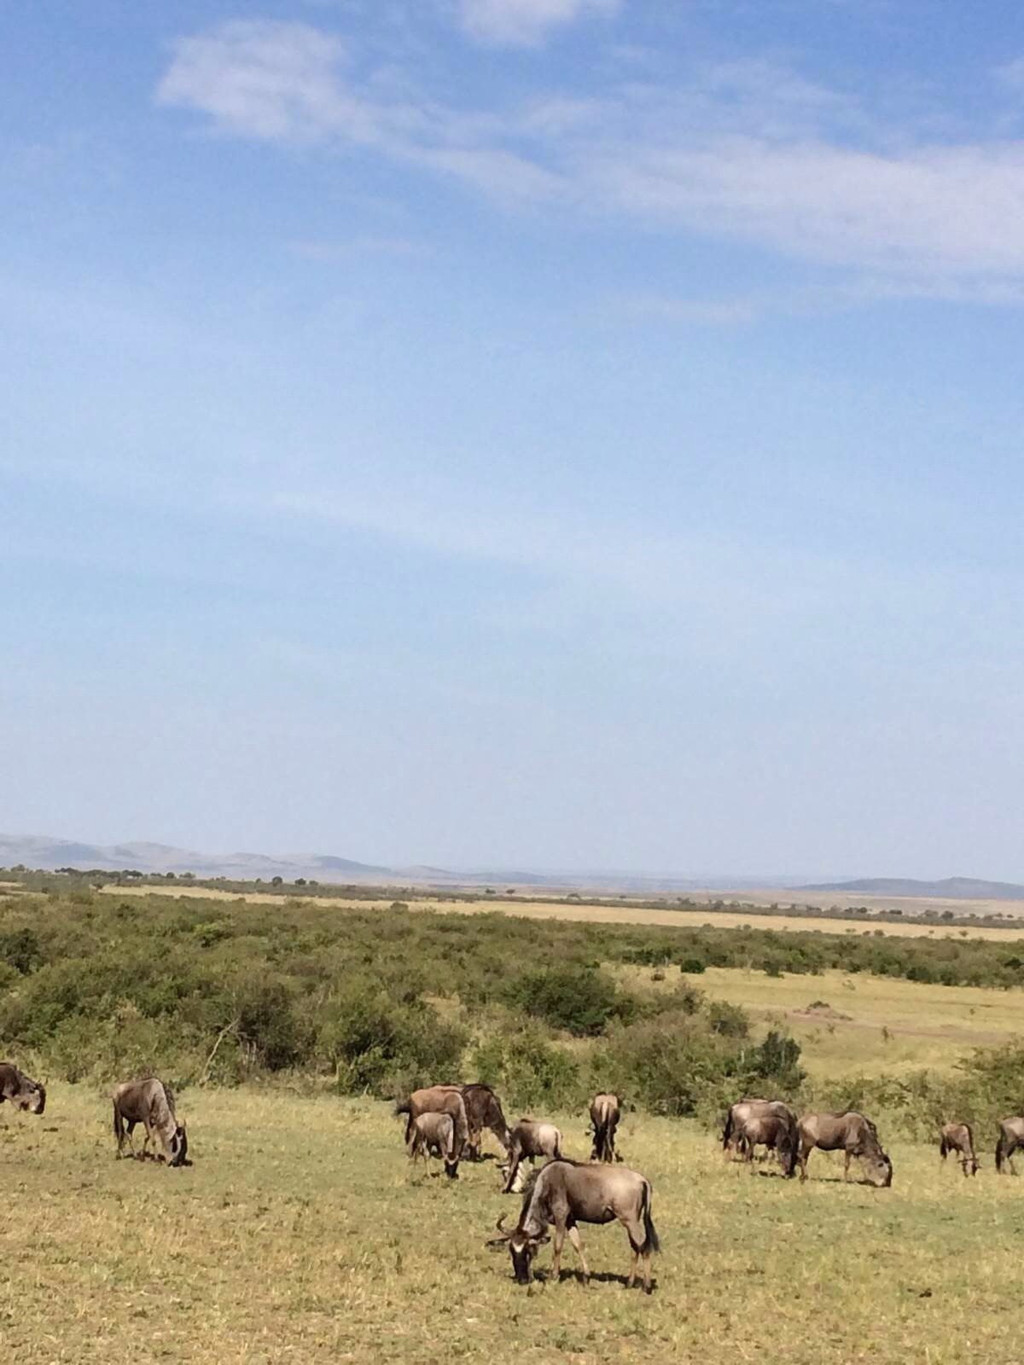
(599, 914)
(876, 1025)
(300, 1235)
(909, 905)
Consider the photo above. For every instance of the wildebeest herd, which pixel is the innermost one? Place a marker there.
(448, 1122)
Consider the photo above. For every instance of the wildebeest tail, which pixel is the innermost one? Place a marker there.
(727, 1130)
(651, 1241)
(118, 1125)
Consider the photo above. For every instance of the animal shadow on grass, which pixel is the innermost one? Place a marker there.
(596, 1277)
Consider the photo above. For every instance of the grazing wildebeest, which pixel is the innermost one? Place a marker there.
(1011, 1136)
(848, 1132)
(780, 1133)
(957, 1137)
(437, 1099)
(565, 1193)
(435, 1133)
(151, 1103)
(747, 1108)
(20, 1090)
(530, 1139)
(604, 1120)
(483, 1110)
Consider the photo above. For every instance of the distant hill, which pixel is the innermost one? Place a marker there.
(48, 854)
(952, 888)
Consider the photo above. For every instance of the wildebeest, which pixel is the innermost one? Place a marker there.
(848, 1132)
(747, 1108)
(150, 1102)
(563, 1194)
(1011, 1136)
(604, 1120)
(20, 1090)
(435, 1133)
(530, 1139)
(780, 1133)
(957, 1137)
(437, 1099)
(483, 1110)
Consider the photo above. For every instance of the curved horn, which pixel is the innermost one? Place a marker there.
(500, 1223)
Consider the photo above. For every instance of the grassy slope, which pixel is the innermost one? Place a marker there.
(299, 1234)
(928, 1025)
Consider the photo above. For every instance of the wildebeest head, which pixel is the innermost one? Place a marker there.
(878, 1169)
(451, 1167)
(179, 1147)
(522, 1248)
(32, 1098)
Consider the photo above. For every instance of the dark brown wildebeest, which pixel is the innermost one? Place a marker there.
(483, 1110)
(604, 1120)
(435, 1133)
(1011, 1136)
(565, 1193)
(780, 1133)
(848, 1132)
(150, 1102)
(747, 1108)
(530, 1139)
(437, 1099)
(957, 1137)
(20, 1090)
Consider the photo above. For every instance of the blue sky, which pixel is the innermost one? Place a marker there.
(548, 433)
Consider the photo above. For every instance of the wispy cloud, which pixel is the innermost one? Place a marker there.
(746, 150)
(332, 251)
(524, 23)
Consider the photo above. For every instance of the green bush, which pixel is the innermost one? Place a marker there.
(581, 1001)
(528, 1070)
(376, 1046)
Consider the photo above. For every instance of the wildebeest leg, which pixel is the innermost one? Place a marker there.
(574, 1237)
(513, 1171)
(846, 1167)
(559, 1242)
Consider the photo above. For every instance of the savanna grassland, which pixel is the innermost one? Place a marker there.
(851, 1024)
(300, 1233)
(691, 912)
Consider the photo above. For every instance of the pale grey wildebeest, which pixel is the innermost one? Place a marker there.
(780, 1133)
(150, 1102)
(604, 1120)
(850, 1133)
(748, 1108)
(958, 1138)
(530, 1139)
(437, 1099)
(435, 1134)
(1011, 1137)
(20, 1090)
(563, 1194)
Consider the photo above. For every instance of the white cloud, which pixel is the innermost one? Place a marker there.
(746, 150)
(264, 80)
(524, 23)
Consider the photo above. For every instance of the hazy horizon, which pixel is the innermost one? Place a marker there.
(516, 433)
